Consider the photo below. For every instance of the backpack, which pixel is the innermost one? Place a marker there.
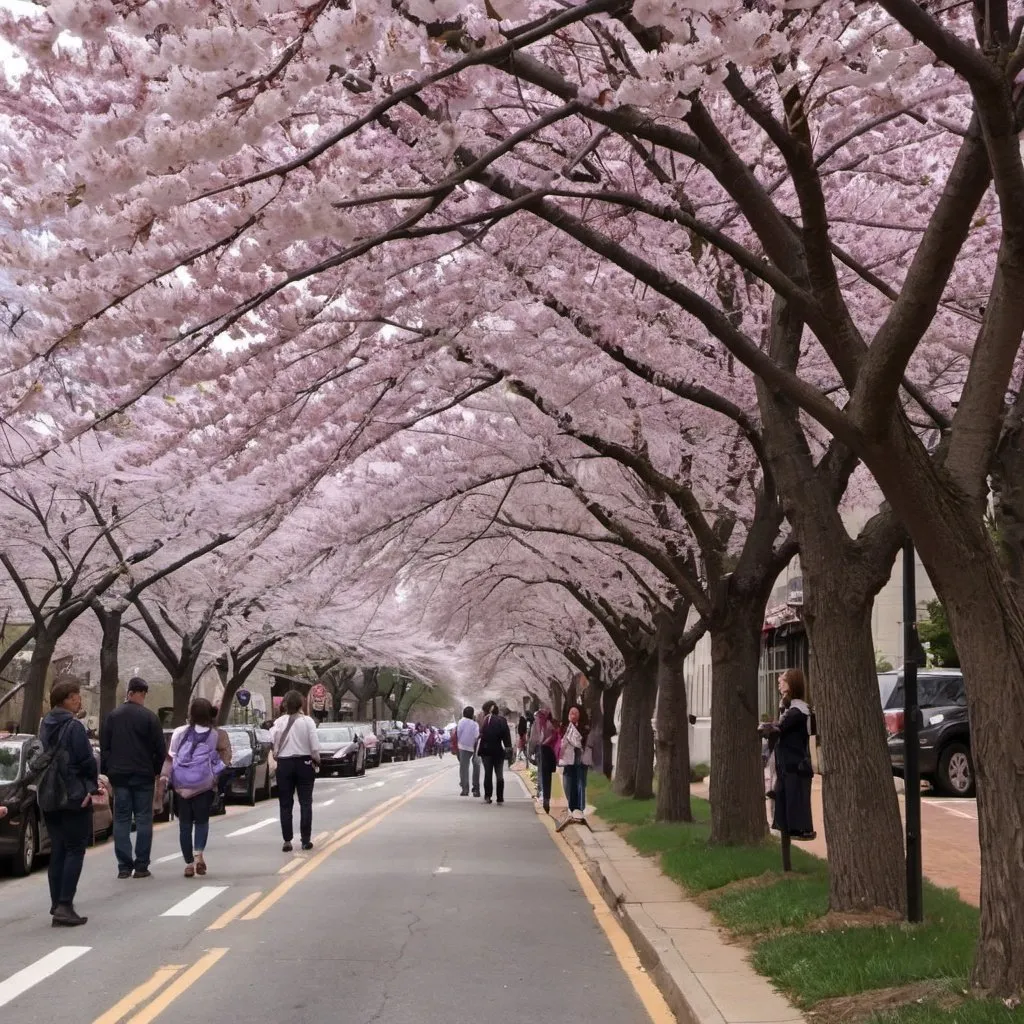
(48, 771)
(196, 764)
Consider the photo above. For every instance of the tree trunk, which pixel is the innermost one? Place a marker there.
(35, 687)
(673, 734)
(862, 818)
(110, 620)
(634, 765)
(609, 702)
(181, 689)
(737, 780)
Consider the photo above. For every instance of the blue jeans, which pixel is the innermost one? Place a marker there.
(574, 779)
(133, 798)
(193, 812)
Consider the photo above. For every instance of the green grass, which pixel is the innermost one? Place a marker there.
(820, 964)
(808, 962)
(973, 1011)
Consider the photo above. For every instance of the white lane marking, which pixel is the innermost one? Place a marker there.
(29, 976)
(443, 871)
(169, 857)
(190, 904)
(250, 828)
(324, 803)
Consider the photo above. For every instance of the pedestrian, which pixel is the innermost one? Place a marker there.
(466, 733)
(70, 825)
(575, 759)
(297, 750)
(522, 729)
(132, 752)
(544, 739)
(487, 707)
(191, 768)
(793, 768)
(494, 747)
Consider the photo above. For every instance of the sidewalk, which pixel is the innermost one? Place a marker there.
(704, 976)
(950, 850)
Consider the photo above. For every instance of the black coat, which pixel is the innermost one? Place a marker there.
(83, 773)
(132, 743)
(792, 764)
(495, 737)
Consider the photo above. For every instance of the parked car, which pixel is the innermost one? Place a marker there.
(372, 744)
(219, 805)
(23, 835)
(945, 738)
(253, 768)
(342, 751)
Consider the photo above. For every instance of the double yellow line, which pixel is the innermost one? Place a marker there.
(170, 981)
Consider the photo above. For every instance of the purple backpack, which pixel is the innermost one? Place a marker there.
(196, 761)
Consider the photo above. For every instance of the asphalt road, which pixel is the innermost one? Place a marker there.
(416, 906)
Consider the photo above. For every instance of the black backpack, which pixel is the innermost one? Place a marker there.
(47, 774)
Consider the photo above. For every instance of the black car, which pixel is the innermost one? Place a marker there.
(23, 835)
(945, 743)
(342, 751)
(252, 772)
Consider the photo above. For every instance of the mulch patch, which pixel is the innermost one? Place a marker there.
(863, 1005)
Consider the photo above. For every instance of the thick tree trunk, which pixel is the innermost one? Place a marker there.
(634, 763)
(609, 702)
(673, 732)
(110, 620)
(181, 689)
(737, 780)
(862, 819)
(35, 687)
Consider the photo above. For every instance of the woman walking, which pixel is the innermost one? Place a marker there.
(575, 759)
(495, 745)
(793, 768)
(192, 768)
(297, 750)
(544, 738)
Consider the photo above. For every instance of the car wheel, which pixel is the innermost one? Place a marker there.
(955, 776)
(250, 793)
(28, 846)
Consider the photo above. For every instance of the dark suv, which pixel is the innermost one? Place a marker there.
(945, 731)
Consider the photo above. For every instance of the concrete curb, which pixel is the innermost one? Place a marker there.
(682, 989)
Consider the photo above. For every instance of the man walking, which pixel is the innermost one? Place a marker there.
(132, 752)
(466, 733)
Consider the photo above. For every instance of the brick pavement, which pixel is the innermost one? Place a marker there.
(950, 852)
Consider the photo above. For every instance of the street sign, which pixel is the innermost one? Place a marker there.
(243, 697)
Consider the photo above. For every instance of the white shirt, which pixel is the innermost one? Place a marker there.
(467, 732)
(302, 739)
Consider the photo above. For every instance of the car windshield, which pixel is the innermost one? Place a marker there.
(940, 691)
(10, 761)
(334, 735)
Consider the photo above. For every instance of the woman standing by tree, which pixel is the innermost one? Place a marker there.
(793, 768)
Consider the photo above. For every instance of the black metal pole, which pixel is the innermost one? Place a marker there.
(911, 738)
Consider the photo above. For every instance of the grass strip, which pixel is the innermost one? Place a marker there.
(806, 953)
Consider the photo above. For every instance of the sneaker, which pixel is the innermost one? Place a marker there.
(476, 792)
(307, 845)
(190, 871)
(286, 848)
(124, 874)
(65, 916)
(142, 873)
(487, 799)
(200, 866)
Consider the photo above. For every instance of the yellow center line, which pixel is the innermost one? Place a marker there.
(140, 994)
(649, 994)
(232, 912)
(175, 989)
(341, 838)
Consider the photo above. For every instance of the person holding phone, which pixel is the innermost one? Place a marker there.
(297, 750)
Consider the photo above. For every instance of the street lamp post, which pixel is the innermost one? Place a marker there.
(911, 736)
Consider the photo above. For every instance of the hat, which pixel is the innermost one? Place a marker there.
(138, 685)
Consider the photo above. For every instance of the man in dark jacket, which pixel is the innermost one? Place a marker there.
(495, 745)
(70, 826)
(132, 752)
